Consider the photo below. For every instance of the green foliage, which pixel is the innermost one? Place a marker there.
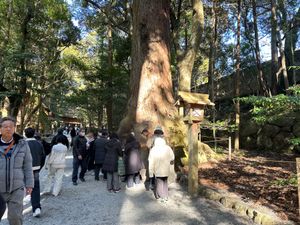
(295, 141)
(292, 180)
(225, 125)
(267, 109)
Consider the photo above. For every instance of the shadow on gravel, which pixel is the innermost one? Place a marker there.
(89, 203)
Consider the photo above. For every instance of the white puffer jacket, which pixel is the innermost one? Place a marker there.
(160, 157)
(57, 159)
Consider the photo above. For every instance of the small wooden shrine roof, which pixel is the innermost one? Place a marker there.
(193, 98)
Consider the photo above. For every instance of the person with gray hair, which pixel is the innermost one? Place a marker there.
(15, 171)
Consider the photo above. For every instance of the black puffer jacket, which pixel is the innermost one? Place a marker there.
(132, 157)
(99, 145)
(37, 153)
(113, 150)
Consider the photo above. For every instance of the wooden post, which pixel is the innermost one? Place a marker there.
(193, 160)
(298, 177)
(229, 148)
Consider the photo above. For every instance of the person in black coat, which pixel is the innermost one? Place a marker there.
(91, 151)
(38, 161)
(113, 150)
(80, 154)
(99, 150)
(132, 160)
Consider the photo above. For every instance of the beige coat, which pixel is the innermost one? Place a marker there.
(160, 157)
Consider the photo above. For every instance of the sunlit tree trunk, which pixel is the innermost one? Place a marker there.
(237, 80)
(186, 61)
(290, 43)
(274, 50)
(212, 55)
(264, 90)
(151, 100)
(284, 28)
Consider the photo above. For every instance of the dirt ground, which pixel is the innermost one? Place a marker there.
(260, 178)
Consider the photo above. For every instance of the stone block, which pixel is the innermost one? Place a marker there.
(296, 129)
(270, 130)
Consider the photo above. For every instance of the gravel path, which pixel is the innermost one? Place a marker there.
(89, 203)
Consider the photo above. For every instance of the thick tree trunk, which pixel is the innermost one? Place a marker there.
(99, 116)
(17, 100)
(5, 42)
(109, 103)
(186, 62)
(264, 90)
(290, 43)
(151, 102)
(274, 50)
(237, 80)
(212, 52)
(211, 67)
(284, 27)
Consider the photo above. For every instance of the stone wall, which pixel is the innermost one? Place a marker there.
(275, 135)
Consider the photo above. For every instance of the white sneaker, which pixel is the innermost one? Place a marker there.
(37, 212)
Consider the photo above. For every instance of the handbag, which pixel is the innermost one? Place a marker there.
(121, 167)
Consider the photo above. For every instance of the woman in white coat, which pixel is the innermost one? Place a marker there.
(161, 157)
(56, 164)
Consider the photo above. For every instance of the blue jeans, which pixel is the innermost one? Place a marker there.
(35, 194)
(76, 163)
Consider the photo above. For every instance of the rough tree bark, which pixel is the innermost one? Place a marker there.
(237, 79)
(187, 59)
(109, 102)
(16, 99)
(212, 56)
(274, 50)
(262, 81)
(151, 100)
(284, 27)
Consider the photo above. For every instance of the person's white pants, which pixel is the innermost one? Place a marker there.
(56, 174)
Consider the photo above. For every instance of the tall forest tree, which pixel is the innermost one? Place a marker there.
(237, 78)
(151, 100)
(186, 56)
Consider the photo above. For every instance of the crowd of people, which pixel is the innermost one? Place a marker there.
(144, 160)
